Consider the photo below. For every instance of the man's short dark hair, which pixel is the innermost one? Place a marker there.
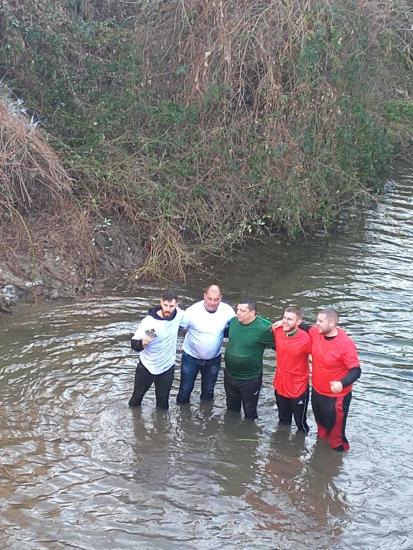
(296, 310)
(169, 294)
(331, 314)
(252, 304)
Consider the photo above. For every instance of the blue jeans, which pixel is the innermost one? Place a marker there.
(190, 366)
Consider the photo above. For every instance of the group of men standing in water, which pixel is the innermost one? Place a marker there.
(323, 348)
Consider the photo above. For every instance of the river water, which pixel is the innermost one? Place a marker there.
(79, 469)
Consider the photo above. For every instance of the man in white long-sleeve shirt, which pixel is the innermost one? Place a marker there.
(205, 322)
(156, 339)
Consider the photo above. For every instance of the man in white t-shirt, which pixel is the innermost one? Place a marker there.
(156, 339)
(205, 323)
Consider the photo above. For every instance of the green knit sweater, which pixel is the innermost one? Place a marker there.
(245, 349)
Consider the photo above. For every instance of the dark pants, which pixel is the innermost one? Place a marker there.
(190, 367)
(245, 392)
(294, 406)
(144, 380)
(330, 413)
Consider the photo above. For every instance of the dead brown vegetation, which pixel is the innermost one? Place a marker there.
(43, 229)
(31, 174)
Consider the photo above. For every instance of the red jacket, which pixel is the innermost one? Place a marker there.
(332, 360)
(292, 372)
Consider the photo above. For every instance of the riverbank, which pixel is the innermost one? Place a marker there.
(140, 138)
(66, 260)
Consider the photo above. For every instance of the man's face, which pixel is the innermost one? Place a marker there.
(167, 308)
(290, 321)
(212, 299)
(245, 315)
(324, 324)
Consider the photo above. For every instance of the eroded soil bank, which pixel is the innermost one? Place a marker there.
(50, 271)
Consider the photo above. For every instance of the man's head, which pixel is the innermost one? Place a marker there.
(292, 318)
(212, 298)
(246, 311)
(168, 303)
(327, 321)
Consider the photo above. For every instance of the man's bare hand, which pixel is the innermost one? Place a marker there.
(336, 386)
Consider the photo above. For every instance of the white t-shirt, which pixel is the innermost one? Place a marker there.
(205, 330)
(160, 354)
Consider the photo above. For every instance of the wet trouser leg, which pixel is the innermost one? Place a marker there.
(285, 409)
(294, 406)
(163, 385)
(232, 393)
(299, 407)
(331, 414)
(189, 371)
(209, 375)
(245, 392)
(250, 393)
(143, 381)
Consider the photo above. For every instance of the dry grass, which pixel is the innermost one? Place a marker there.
(43, 228)
(31, 174)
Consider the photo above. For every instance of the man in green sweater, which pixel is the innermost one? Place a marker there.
(248, 336)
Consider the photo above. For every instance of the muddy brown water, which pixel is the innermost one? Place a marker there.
(79, 469)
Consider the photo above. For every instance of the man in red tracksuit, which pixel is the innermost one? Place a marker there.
(291, 379)
(336, 366)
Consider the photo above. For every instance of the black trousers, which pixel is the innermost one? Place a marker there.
(144, 380)
(245, 392)
(331, 413)
(294, 406)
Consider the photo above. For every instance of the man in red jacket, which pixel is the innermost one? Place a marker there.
(291, 379)
(336, 366)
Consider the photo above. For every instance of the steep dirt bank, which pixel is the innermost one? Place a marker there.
(51, 271)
